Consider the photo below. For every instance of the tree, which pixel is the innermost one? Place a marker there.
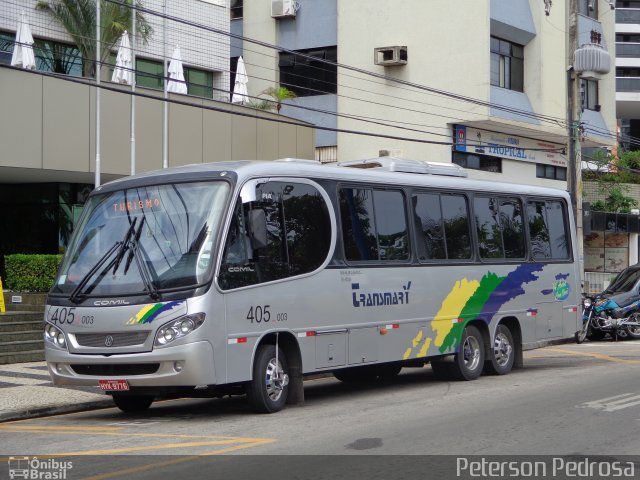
(278, 95)
(78, 17)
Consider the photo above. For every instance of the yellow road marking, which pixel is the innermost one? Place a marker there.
(118, 433)
(600, 356)
(109, 451)
(143, 468)
(27, 428)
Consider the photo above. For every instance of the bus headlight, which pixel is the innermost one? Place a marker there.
(174, 329)
(54, 336)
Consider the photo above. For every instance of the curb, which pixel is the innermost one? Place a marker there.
(55, 410)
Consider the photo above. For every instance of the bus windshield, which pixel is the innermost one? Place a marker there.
(144, 240)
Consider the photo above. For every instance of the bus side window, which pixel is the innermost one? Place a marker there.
(374, 225)
(285, 231)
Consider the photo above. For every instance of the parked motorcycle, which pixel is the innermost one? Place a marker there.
(603, 315)
(616, 311)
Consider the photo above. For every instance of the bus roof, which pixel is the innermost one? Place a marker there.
(246, 169)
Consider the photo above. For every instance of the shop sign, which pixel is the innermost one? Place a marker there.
(503, 145)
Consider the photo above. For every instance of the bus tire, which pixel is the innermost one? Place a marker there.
(502, 353)
(469, 361)
(132, 403)
(268, 390)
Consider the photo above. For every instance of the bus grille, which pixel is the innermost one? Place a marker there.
(111, 340)
(116, 369)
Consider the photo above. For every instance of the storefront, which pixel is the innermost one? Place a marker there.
(488, 150)
(610, 246)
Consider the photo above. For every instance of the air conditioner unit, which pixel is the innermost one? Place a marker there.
(390, 56)
(283, 8)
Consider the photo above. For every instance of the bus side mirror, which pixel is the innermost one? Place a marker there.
(257, 223)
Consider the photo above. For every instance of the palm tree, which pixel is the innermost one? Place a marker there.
(278, 94)
(78, 17)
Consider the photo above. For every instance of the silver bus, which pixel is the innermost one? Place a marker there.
(245, 277)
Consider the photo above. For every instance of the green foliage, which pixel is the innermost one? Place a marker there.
(277, 94)
(616, 202)
(31, 273)
(78, 17)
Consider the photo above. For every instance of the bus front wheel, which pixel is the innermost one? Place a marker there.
(267, 391)
(132, 403)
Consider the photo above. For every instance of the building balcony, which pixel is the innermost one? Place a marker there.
(628, 84)
(627, 15)
(628, 50)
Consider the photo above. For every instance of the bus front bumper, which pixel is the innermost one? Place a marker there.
(190, 364)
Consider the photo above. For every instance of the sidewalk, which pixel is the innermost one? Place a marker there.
(26, 391)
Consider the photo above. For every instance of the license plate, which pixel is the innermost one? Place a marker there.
(113, 384)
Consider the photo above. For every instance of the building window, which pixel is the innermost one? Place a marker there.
(6, 47)
(627, 72)
(507, 64)
(305, 76)
(56, 57)
(236, 9)
(551, 171)
(478, 162)
(627, 37)
(149, 73)
(199, 82)
(590, 95)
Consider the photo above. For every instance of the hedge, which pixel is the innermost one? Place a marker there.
(31, 273)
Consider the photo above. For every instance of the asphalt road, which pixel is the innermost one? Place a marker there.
(571, 400)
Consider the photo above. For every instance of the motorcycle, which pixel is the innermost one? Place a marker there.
(602, 315)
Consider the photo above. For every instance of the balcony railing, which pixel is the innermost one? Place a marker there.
(628, 50)
(627, 15)
(627, 84)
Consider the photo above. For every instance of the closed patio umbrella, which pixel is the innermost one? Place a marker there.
(123, 73)
(23, 48)
(176, 75)
(240, 92)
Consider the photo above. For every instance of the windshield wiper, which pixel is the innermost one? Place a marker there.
(125, 245)
(121, 247)
(145, 275)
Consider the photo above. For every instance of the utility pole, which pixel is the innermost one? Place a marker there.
(574, 110)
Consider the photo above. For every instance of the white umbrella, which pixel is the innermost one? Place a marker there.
(176, 76)
(23, 48)
(240, 93)
(123, 73)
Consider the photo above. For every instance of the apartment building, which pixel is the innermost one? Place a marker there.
(627, 17)
(491, 77)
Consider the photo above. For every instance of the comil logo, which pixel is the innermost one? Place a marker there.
(33, 468)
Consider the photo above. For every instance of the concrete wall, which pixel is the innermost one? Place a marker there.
(48, 126)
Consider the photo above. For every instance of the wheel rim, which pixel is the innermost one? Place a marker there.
(502, 349)
(471, 353)
(276, 380)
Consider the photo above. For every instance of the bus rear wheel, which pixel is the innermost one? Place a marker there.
(268, 390)
(469, 361)
(502, 354)
(132, 403)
